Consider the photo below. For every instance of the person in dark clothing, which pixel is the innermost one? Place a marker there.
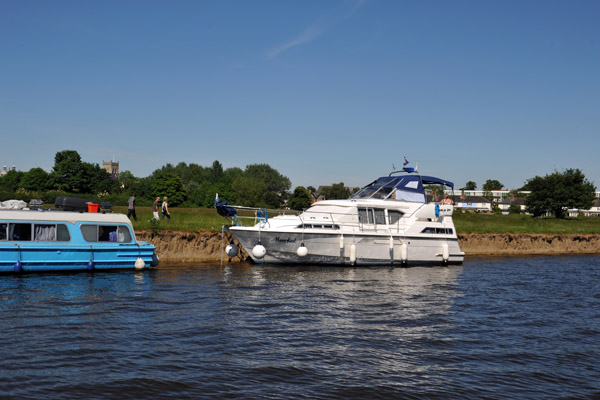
(131, 207)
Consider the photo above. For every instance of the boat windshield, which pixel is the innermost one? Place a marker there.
(403, 188)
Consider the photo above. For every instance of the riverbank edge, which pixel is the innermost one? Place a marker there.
(209, 246)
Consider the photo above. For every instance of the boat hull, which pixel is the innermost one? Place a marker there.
(349, 249)
(41, 257)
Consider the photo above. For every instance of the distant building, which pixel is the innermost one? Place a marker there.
(112, 167)
(4, 170)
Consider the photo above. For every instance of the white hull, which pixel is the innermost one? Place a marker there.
(327, 248)
(388, 222)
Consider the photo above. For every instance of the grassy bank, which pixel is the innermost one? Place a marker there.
(202, 219)
(520, 223)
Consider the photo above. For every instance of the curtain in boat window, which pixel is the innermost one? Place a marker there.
(44, 233)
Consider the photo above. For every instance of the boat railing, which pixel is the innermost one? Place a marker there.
(256, 214)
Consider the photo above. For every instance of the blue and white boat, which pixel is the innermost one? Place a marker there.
(70, 241)
(389, 221)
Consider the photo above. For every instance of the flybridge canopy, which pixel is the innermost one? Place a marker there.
(406, 188)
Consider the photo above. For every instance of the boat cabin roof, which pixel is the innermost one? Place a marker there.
(62, 216)
(403, 187)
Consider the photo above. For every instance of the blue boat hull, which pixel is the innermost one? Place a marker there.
(39, 257)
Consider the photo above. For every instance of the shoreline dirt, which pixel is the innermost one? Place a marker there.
(175, 246)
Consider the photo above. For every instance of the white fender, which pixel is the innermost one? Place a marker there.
(231, 250)
(139, 263)
(353, 253)
(445, 252)
(404, 252)
(259, 251)
(342, 242)
(391, 243)
(302, 251)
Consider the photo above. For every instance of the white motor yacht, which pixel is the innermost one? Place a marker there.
(389, 221)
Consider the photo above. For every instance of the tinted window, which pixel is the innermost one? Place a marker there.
(90, 232)
(394, 216)
(3, 233)
(106, 233)
(379, 216)
(62, 233)
(19, 231)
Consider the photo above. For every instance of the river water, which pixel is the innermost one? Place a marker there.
(509, 328)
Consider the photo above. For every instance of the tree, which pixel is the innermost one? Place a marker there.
(12, 180)
(126, 181)
(557, 192)
(96, 179)
(492, 184)
(300, 199)
(35, 179)
(68, 171)
(276, 186)
(335, 191)
(470, 185)
(168, 184)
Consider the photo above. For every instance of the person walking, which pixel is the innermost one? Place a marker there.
(165, 209)
(131, 207)
(155, 210)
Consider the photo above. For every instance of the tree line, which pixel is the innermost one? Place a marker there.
(258, 185)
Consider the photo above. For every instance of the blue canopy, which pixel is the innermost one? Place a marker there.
(430, 180)
(384, 187)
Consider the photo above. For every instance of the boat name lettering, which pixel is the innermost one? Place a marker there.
(287, 240)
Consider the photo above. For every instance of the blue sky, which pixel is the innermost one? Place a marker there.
(324, 91)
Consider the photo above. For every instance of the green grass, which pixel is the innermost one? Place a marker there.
(521, 223)
(202, 219)
(188, 219)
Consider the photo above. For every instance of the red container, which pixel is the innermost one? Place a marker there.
(93, 208)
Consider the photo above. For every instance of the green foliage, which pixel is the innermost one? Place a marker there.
(557, 192)
(264, 185)
(126, 182)
(168, 184)
(335, 191)
(514, 209)
(470, 185)
(154, 226)
(35, 179)
(11, 181)
(300, 199)
(68, 173)
(492, 184)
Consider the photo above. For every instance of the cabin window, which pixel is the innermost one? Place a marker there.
(36, 232)
(51, 233)
(318, 226)
(394, 216)
(19, 231)
(106, 233)
(3, 233)
(62, 233)
(379, 216)
(44, 232)
(440, 231)
(371, 216)
(362, 216)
